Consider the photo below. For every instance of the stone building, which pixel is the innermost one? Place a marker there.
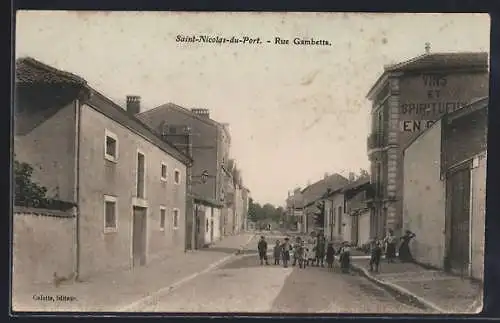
(294, 210)
(407, 99)
(445, 191)
(128, 184)
(314, 194)
(210, 144)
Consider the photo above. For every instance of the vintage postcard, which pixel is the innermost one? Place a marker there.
(249, 162)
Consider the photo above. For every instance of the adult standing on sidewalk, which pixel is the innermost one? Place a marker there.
(404, 249)
(390, 246)
(262, 246)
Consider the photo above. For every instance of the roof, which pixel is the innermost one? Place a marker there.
(317, 190)
(356, 184)
(434, 61)
(32, 71)
(206, 201)
(113, 111)
(465, 110)
(474, 105)
(29, 71)
(176, 107)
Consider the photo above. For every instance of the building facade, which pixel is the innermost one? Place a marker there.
(408, 98)
(314, 194)
(210, 145)
(294, 210)
(358, 217)
(129, 184)
(445, 191)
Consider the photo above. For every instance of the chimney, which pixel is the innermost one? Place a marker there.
(427, 48)
(201, 112)
(325, 176)
(133, 104)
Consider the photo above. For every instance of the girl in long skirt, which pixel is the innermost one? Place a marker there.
(390, 242)
(345, 257)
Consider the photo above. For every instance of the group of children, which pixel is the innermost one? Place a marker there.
(312, 253)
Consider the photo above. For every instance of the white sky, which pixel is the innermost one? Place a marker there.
(294, 112)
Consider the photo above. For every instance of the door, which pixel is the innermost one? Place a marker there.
(139, 228)
(457, 220)
(212, 225)
(354, 229)
(197, 229)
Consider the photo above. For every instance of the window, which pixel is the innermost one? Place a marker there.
(110, 218)
(110, 146)
(163, 172)
(176, 218)
(162, 218)
(140, 175)
(340, 220)
(207, 226)
(177, 177)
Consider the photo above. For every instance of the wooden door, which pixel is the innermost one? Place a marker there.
(139, 236)
(457, 220)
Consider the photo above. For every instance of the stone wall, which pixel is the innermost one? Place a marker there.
(43, 244)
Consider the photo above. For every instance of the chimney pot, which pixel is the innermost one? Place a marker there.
(133, 104)
(427, 48)
(201, 112)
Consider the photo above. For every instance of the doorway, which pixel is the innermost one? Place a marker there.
(139, 232)
(458, 194)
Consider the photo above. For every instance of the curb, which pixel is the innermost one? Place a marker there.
(398, 289)
(178, 283)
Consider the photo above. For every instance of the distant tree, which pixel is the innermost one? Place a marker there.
(363, 173)
(319, 214)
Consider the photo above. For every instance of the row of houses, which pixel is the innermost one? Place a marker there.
(137, 185)
(335, 206)
(427, 149)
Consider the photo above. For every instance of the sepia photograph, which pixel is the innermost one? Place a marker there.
(249, 162)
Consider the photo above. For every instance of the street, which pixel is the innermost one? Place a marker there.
(243, 285)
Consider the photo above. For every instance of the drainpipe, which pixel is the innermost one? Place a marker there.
(189, 197)
(77, 188)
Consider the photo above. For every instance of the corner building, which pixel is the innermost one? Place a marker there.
(407, 99)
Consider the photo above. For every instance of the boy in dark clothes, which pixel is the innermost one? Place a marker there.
(330, 255)
(262, 246)
(277, 252)
(375, 255)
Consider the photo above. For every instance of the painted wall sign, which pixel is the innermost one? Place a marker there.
(425, 98)
(415, 125)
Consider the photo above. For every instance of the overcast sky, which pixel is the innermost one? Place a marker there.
(295, 112)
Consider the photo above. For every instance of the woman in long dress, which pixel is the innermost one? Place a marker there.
(404, 248)
(345, 257)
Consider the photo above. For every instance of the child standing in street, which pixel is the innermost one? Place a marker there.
(262, 247)
(375, 255)
(277, 252)
(311, 254)
(285, 249)
(330, 256)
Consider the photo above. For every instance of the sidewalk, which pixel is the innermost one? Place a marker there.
(119, 290)
(436, 290)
